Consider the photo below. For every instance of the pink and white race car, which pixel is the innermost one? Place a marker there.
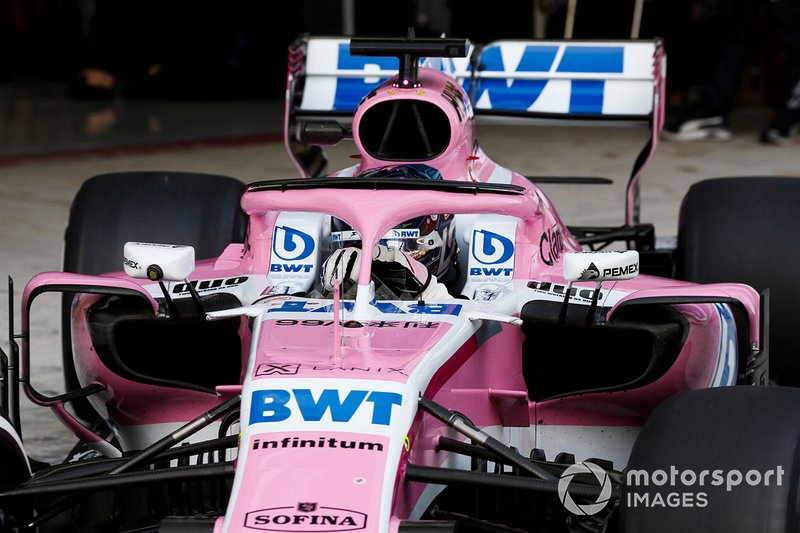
(251, 361)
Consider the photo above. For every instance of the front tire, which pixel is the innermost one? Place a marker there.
(201, 210)
(746, 429)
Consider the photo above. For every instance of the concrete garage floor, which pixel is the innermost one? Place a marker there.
(39, 177)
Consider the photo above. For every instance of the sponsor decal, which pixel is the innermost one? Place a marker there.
(306, 517)
(370, 369)
(589, 273)
(586, 96)
(277, 267)
(206, 285)
(372, 324)
(277, 405)
(281, 369)
(430, 309)
(485, 294)
(304, 306)
(291, 244)
(269, 369)
(489, 248)
(392, 234)
(345, 236)
(490, 271)
(317, 442)
(131, 264)
(558, 290)
(621, 271)
(402, 234)
(551, 245)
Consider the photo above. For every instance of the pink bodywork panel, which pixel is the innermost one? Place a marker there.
(333, 484)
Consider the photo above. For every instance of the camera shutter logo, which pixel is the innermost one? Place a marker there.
(589, 508)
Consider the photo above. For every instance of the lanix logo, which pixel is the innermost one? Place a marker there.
(278, 405)
(291, 244)
(489, 248)
(307, 517)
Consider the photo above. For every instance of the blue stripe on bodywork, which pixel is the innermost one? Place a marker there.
(534, 58)
(586, 97)
(518, 95)
(592, 59)
(728, 349)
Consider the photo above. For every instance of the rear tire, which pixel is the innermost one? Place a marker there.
(741, 428)
(728, 228)
(201, 210)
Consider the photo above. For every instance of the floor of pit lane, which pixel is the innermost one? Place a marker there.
(46, 155)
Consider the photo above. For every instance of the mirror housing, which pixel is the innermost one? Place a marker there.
(601, 266)
(156, 262)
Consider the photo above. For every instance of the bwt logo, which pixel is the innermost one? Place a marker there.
(586, 95)
(291, 244)
(402, 234)
(490, 248)
(276, 405)
(277, 267)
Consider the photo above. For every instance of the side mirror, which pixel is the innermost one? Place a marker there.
(601, 266)
(156, 262)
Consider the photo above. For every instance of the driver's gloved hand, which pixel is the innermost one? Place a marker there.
(400, 273)
(343, 264)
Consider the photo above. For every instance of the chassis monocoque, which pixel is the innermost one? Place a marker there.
(549, 392)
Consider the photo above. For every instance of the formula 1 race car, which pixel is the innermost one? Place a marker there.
(414, 343)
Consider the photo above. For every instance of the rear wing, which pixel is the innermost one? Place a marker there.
(549, 80)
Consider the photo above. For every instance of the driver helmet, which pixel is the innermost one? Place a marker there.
(429, 239)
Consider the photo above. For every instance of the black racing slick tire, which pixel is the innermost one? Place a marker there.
(14, 470)
(201, 210)
(746, 230)
(721, 460)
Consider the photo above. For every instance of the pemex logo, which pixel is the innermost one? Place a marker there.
(591, 272)
(588, 508)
